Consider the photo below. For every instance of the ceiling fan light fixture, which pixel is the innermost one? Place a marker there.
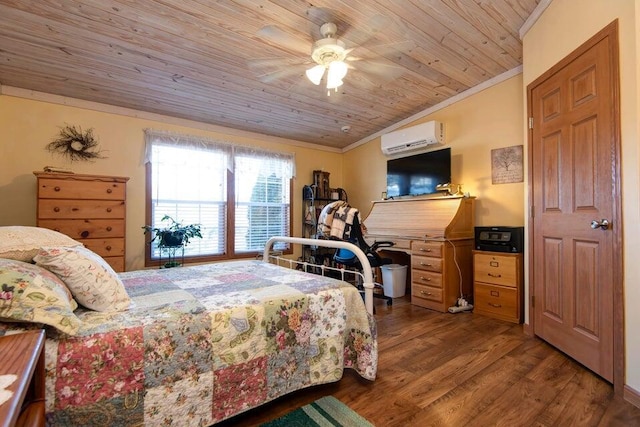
(337, 71)
(314, 74)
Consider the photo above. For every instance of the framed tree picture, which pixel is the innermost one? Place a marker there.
(507, 165)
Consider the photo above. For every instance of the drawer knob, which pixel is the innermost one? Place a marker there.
(109, 191)
(108, 209)
(56, 188)
(494, 275)
(109, 228)
(84, 234)
(108, 248)
(426, 264)
(56, 209)
(426, 279)
(495, 305)
(425, 249)
(425, 293)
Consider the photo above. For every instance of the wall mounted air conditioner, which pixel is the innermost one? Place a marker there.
(412, 138)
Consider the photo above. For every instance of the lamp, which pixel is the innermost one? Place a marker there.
(337, 71)
(315, 74)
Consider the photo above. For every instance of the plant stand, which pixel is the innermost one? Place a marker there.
(174, 258)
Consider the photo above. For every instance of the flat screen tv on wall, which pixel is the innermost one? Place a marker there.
(419, 174)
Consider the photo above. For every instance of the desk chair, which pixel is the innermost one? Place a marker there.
(348, 258)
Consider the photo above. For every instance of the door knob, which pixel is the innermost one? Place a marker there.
(603, 224)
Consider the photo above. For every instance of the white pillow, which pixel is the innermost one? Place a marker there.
(90, 279)
(22, 243)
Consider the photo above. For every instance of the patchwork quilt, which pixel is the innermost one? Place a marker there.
(203, 343)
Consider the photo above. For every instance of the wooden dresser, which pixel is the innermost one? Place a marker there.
(23, 355)
(498, 279)
(88, 208)
(438, 235)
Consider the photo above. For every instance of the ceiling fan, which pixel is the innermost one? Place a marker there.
(329, 56)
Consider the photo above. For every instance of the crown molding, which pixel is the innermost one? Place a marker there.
(533, 18)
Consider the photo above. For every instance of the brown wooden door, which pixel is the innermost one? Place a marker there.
(574, 182)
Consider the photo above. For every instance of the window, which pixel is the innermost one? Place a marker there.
(192, 180)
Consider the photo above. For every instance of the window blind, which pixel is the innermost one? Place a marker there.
(189, 183)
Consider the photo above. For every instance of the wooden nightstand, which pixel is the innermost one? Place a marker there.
(23, 355)
(497, 285)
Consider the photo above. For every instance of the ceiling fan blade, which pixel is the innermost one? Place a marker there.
(360, 35)
(262, 63)
(322, 15)
(282, 73)
(278, 36)
(384, 49)
(381, 70)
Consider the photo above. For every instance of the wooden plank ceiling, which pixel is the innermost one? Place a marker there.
(241, 63)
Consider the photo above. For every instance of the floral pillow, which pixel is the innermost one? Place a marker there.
(32, 294)
(22, 242)
(90, 278)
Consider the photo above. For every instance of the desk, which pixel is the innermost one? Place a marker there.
(438, 235)
(23, 355)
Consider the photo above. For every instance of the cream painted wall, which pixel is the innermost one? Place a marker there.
(564, 26)
(29, 125)
(490, 119)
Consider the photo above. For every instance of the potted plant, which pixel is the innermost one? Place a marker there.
(173, 236)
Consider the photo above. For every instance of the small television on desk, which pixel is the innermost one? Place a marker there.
(419, 174)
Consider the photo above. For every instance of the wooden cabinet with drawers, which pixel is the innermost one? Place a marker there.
(89, 208)
(497, 285)
(438, 235)
(440, 271)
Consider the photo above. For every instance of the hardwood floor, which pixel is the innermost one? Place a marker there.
(464, 369)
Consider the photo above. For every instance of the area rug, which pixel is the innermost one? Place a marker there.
(327, 411)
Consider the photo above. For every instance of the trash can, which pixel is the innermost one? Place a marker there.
(394, 278)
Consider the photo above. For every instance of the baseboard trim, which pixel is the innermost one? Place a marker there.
(632, 396)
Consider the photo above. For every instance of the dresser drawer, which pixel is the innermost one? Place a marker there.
(117, 263)
(426, 263)
(105, 247)
(426, 292)
(79, 209)
(432, 249)
(86, 228)
(426, 278)
(500, 301)
(496, 269)
(67, 189)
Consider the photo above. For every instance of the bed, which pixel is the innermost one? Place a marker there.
(194, 345)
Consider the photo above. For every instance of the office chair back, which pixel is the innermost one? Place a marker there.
(346, 257)
(340, 221)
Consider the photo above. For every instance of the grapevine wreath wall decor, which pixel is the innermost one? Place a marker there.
(76, 144)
